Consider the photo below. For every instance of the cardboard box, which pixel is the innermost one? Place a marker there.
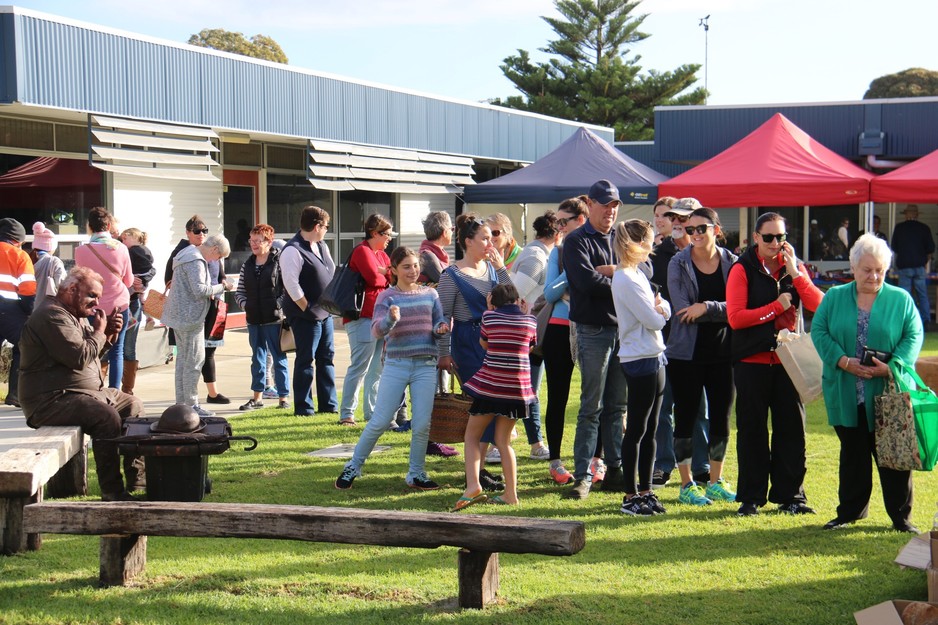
(917, 553)
(885, 613)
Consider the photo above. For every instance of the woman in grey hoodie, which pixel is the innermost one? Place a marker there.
(185, 312)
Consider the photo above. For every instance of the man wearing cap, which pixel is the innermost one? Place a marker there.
(61, 381)
(589, 260)
(676, 212)
(17, 292)
(913, 246)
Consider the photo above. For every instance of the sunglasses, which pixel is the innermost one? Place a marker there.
(496, 233)
(199, 231)
(385, 233)
(681, 218)
(767, 238)
(701, 229)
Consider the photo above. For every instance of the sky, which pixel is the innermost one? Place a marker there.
(754, 52)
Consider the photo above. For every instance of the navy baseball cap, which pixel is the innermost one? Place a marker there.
(604, 192)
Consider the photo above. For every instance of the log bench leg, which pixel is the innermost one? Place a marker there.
(13, 539)
(72, 478)
(478, 578)
(123, 557)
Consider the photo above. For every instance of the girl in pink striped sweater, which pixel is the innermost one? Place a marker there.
(410, 317)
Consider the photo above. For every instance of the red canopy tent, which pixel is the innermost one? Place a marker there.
(915, 182)
(777, 164)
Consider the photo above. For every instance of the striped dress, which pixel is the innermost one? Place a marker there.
(505, 376)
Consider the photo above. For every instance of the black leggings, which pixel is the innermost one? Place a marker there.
(688, 379)
(558, 367)
(208, 369)
(638, 443)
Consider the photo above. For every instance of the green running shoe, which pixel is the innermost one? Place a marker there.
(694, 495)
(721, 491)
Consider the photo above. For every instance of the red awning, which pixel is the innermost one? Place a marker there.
(915, 182)
(777, 164)
(47, 171)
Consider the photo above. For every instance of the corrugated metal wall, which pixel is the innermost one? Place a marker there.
(64, 65)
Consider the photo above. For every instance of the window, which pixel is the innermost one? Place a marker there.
(286, 197)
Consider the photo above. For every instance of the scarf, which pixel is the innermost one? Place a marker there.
(436, 250)
(104, 238)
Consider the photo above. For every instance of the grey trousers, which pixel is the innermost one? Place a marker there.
(190, 356)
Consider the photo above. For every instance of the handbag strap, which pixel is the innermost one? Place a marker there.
(106, 264)
(901, 372)
(799, 325)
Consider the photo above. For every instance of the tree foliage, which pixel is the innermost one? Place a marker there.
(258, 46)
(594, 80)
(911, 83)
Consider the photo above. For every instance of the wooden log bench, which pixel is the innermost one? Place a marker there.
(124, 527)
(50, 461)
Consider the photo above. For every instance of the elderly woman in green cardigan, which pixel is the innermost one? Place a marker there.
(866, 312)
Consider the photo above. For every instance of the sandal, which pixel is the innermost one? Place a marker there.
(465, 502)
(499, 500)
(348, 422)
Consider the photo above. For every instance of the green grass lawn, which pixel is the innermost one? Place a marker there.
(693, 565)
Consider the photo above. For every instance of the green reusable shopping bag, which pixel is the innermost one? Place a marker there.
(925, 408)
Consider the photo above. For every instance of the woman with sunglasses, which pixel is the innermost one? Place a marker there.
(502, 237)
(763, 293)
(698, 352)
(373, 264)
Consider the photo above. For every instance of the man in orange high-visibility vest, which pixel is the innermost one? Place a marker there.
(17, 292)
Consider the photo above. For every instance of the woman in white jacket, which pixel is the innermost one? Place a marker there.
(641, 314)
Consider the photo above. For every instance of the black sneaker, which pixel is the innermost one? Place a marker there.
(579, 490)
(491, 483)
(636, 505)
(344, 481)
(119, 496)
(906, 527)
(796, 507)
(748, 509)
(252, 404)
(660, 478)
(614, 481)
(423, 482)
(651, 500)
(12, 400)
(836, 524)
(218, 399)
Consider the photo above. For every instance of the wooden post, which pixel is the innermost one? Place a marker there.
(123, 557)
(12, 537)
(478, 578)
(72, 478)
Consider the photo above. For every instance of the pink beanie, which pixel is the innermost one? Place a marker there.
(43, 238)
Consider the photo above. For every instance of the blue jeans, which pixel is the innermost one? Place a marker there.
(532, 425)
(313, 338)
(264, 339)
(664, 437)
(115, 357)
(399, 373)
(603, 395)
(364, 369)
(913, 280)
(130, 339)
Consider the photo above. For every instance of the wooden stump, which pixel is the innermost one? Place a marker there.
(123, 557)
(478, 578)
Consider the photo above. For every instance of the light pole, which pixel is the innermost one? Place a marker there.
(704, 21)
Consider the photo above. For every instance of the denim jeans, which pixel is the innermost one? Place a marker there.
(664, 437)
(603, 397)
(130, 339)
(314, 338)
(364, 369)
(265, 339)
(913, 280)
(532, 425)
(399, 373)
(115, 356)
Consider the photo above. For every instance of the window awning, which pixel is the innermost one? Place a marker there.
(350, 166)
(152, 149)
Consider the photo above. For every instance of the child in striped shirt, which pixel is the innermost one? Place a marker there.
(501, 390)
(410, 316)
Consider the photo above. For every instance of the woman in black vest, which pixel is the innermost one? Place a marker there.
(763, 291)
(258, 292)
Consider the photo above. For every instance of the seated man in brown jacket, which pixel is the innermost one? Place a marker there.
(61, 381)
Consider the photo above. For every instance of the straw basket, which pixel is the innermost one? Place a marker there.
(450, 413)
(154, 303)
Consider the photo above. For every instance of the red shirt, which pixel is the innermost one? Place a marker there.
(366, 261)
(739, 316)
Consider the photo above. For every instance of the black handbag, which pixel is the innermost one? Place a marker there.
(345, 294)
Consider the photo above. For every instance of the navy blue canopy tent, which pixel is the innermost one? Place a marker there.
(569, 171)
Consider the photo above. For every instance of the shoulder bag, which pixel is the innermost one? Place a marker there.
(287, 342)
(798, 355)
(909, 411)
(155, 301)
(345, 293)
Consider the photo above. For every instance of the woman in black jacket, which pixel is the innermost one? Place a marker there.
(259, 288)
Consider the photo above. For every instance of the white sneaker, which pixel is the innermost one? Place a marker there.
(493, 457)
(541, 453)
(202, 412)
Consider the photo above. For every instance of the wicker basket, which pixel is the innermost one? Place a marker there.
(154, 303)
(450, 413)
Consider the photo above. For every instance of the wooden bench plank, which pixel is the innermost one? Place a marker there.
(310, 523)
(37, 458)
